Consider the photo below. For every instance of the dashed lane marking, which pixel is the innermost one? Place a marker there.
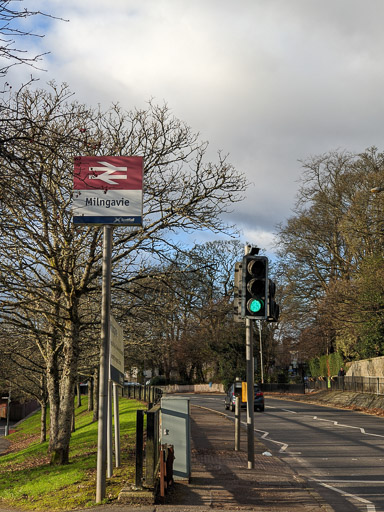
(337, 424)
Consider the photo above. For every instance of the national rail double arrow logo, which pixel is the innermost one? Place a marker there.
(108, 171)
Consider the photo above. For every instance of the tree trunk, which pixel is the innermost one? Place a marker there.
(78, 393)
(73, 428)
(90, 394)
(96, 395)
(61, 422)
(53, 389)
(43, 422)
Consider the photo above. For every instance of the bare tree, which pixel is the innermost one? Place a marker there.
(48, 268)
(327, 246)
(183, 313)
(23, 367)
(12, 31)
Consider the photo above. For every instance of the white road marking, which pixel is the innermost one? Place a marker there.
(370, 506)
(265, 435)
(353, 481)
(337, 424)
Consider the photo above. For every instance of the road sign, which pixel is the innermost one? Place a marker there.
(116, 353)
(108, 190)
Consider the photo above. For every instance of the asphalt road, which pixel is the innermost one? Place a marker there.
(339, 452)
(3, 424)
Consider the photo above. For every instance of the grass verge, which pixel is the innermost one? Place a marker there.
(29, 482)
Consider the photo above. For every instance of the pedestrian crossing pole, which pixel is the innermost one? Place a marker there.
(250, 391)
(250, 386)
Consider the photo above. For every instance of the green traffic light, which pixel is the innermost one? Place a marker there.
(255, 305)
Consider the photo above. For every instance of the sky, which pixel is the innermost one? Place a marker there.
(268, 82)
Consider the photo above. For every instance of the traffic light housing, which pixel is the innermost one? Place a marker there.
(273, 308)
(254, 297)
(237, 289)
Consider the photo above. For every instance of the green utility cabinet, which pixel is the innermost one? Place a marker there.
(176, 431)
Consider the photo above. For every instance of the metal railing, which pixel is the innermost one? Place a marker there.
(373, 385)
(150, 394)
(282, 388)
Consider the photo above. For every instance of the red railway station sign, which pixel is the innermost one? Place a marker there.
(108, 190)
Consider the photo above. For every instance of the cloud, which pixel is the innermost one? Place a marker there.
(269, 82)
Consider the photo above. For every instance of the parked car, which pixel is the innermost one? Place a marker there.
(235, 389)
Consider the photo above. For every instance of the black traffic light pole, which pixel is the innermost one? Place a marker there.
(256, 296)
(250, 386)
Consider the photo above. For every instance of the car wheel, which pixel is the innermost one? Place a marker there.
(261, 409)
(226, 407)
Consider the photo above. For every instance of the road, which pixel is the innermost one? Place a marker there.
(3, 424)
(339, 452)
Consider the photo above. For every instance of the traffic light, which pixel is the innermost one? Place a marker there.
(237, 293)
(273, 308)
(254, 295)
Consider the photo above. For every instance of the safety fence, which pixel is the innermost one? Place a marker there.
(150, 394)
(374, 385)
(282, 388)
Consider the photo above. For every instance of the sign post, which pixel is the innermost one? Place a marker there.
(108, 191)
(116, 378)
(116, 365)
(102, 438)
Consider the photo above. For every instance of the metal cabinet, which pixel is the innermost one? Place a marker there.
(176, 431)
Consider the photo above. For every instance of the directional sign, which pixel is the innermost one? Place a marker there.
(116, 367)
(108, 190)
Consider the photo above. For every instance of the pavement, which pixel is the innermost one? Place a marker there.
(4, 443)
(220, 478)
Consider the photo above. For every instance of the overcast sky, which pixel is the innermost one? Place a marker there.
(270, 82)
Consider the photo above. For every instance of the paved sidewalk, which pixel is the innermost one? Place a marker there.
(4, 443)
(221, 480)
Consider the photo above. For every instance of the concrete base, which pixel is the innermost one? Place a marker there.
(139, 496)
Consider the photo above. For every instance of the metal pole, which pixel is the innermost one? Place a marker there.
(250, 392)
(139, 448)
(261, 353)
(237, 424)
(104, 363)
(117, 424)
(109, 433)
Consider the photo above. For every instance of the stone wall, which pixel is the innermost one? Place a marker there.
(367, 368)
(196, 388)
